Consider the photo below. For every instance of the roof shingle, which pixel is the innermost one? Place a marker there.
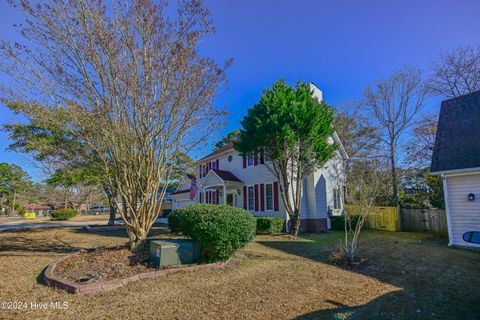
(457, 143)
(226, 175)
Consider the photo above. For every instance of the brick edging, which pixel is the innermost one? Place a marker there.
(75, 288)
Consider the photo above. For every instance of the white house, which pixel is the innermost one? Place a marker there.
(225, 177)
(456, 157)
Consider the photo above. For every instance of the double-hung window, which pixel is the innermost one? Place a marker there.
(336, 199)
(269, 196)
(250, 161)
(251, 199)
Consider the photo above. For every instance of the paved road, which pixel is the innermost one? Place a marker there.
(23, 225)
(19, 225)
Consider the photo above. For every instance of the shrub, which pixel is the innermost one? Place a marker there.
(63, 214)
(174, 220)
(220, 230)
(338, 222)
(269, 225)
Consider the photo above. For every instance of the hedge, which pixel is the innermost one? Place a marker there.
(269, 225)
(63, 214)
(219, 229)
(338, 222)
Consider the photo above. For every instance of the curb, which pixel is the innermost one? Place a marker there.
(96, 287)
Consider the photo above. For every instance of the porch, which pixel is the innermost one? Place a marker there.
(221, 187)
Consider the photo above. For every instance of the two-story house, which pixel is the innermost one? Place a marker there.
(226, 177)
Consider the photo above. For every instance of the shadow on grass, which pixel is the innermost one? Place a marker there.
(41, 276)
(435, 282)
(157, 229)
(17, 242)
(383, 307)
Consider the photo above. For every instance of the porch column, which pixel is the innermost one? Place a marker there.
(224, 193)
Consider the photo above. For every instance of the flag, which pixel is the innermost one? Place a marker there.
(193, 191)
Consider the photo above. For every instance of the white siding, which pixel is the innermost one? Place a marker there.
(316, 196)
(181, 200)
(464, 214)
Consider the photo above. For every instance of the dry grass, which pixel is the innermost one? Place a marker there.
(272, 278)
(79, 218)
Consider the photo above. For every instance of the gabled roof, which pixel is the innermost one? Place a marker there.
(226, 175)
(457, 143)
(222, 149)
(191, 177)
(222, 175)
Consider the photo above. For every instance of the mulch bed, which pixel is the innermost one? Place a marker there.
(103, 264)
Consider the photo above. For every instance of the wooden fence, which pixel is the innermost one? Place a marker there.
(423, 220)
(381, 218)
(394, 219)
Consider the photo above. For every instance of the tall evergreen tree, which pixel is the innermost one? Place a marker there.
(293, 128)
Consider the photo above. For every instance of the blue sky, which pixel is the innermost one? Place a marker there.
(341, 46)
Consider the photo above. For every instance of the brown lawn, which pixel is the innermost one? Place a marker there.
(272, 278)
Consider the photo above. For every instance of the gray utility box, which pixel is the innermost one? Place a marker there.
(173, 252)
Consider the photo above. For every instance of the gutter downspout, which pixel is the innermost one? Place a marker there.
(447, 209)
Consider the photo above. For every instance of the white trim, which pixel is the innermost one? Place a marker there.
(246, 160)
(457, 172)
(337, 140)
(253, 192)
(447, 210)
(265, 196)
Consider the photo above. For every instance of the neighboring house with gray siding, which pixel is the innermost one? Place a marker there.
(456, 157)
(225, 177)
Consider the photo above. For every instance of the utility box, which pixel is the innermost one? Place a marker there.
(173, 252)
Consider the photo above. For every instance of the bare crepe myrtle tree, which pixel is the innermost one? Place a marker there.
(456, 72)
(363, 189)
(132, 81)
(393, 104)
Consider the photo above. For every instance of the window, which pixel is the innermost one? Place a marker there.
(266, 156)
(250, 161)
(204, 170)
(337, 204)
(269, 196)
(230, 158)
(214, 165)
(251, 199)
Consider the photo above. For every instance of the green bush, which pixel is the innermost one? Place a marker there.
(220, 230)
(63, 214)
(269, 225)
(338, 222)
(174, 221)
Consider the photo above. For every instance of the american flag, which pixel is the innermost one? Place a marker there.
(193, 191)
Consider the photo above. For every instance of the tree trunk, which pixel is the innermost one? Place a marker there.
(137, 237)
(394, 175)
(295, 224)
(111, 202)
(113, 213)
